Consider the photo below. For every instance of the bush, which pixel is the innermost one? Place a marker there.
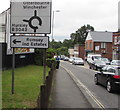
(50, 53)
(50, 61)
(39, 57)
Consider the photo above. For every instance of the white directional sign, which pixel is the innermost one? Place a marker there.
(29, 42)
(31, 16)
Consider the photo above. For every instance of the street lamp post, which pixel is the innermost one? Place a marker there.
(53, 23)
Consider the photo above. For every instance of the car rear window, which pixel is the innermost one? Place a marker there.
(118, 71)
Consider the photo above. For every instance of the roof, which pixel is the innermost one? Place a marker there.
(99, 36)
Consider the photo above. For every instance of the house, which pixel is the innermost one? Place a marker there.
(76, 50)
(116, 46)
(79, 50)
(71, 52)
(99, 43)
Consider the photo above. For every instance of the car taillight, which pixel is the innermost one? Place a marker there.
(116, 76)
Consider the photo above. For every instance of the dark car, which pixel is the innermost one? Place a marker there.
(98, 64)
(109, 76)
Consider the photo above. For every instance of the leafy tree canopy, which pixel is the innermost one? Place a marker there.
(80, 35)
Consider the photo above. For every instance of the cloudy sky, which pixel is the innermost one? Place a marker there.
(101, 14)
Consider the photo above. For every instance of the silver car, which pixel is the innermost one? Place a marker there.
(115, 62)
(106, 60)
(78, 61)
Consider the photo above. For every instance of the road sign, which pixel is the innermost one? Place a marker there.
(29, 42)
(31, 16)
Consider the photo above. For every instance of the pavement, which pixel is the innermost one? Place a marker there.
(65, 93)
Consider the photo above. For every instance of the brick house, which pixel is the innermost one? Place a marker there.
(79, 50)
(99, 43)
(116, 45)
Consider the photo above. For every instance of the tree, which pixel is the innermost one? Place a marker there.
(72, 36)
(80, 35)
(55, 45)
(68, 43)
(63, 51)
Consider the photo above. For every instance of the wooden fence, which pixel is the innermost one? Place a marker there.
(45, 90)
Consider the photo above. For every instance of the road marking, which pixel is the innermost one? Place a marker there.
(80, 84)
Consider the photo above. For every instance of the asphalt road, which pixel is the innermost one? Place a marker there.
(86, 76)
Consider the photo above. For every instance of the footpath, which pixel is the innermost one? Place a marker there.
(65, 93)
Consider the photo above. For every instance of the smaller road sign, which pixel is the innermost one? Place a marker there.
(29, 41)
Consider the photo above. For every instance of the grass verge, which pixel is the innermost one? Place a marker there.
(27, 87)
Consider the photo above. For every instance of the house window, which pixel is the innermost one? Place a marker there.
(103, 45)
(86, 45)
(115, 40)
(90, 44)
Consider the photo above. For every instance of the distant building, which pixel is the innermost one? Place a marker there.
(79, 50)
(76, 50)
(99, 43)
(71, 52)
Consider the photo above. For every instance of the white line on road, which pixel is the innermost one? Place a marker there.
(85, 89)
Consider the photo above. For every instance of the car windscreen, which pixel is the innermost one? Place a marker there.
(97, 57)
(78, 59)
(105, 59)
(99, 62)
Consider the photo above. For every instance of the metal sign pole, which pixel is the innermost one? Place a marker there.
(13, 70)
(44, 74)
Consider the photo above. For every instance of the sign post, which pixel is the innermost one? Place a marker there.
(44, 73)
(30, 17)
(13, 70)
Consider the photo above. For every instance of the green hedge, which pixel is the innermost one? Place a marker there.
(50, 61)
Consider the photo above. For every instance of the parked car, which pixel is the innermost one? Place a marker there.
(106, 60)
(92, 57)
(66, 59)
(109, 76)
(71, 59)
(115, 62)
(62, 57)
(97, 65)
(78, 61)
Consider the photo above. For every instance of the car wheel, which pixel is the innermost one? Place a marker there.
(96, 68)
(96, 80)
(109, 86)
(90, 67)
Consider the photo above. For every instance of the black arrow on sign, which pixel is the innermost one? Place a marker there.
(15, 41)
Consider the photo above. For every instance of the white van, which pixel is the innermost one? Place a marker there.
(92, 57)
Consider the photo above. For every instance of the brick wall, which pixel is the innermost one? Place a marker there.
(87, 45)
(105, 52)
(81, 51)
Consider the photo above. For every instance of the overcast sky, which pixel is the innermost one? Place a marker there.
(101, 14)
